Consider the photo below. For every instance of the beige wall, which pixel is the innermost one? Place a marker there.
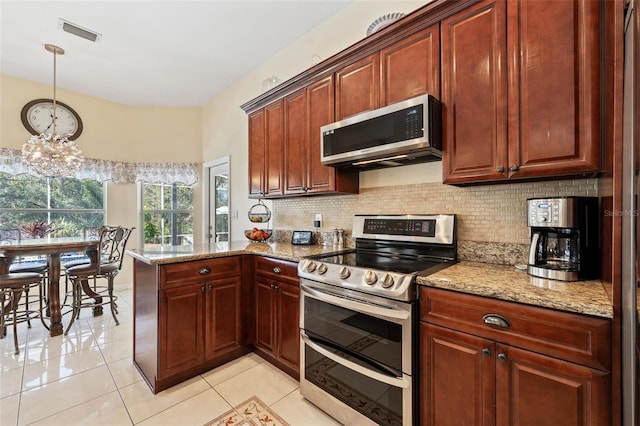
(224, 124)
(112, 132)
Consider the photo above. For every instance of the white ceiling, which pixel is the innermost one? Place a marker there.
(168, 53)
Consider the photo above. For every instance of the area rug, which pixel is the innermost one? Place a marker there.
(252, 412)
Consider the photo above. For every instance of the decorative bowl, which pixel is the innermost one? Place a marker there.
(258, 235)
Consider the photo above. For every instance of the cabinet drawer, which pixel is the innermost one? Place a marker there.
(276, 269)
(572, 337)
(200, 270)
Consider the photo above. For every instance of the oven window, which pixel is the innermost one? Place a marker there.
(371, 338)
(378, 401)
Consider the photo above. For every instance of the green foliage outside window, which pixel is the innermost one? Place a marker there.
(167, 214)
(69, 205)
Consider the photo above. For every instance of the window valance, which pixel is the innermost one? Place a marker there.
(116, 171)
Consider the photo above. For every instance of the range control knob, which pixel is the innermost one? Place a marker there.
(387, 281)
(311, 266)
(344, 273)
(370, 277)
(322, 268)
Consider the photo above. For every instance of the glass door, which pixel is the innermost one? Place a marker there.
(219, 202)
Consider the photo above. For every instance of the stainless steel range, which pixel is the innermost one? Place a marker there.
(358, 317)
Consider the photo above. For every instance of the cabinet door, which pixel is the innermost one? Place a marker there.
(257, 148)
(274, 149)
(265, 315)
(222, 316)
(295, 143)
(534, 389)
(554, 87)
(457, 380)
(357, 87)
(411, 67)
(181, 329)
(288, 325)
(320, 109)
(474, 93)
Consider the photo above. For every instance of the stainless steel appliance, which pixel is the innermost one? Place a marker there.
(358, 317)
(403, 133)
(630, 226)
(565, 238)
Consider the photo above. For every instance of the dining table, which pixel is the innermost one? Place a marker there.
(53, 248)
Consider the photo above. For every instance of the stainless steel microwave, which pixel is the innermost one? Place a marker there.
(403, 133)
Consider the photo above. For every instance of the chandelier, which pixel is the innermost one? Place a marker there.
(52, 155)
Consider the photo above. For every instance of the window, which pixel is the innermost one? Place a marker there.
(70, 205)
(167, 214)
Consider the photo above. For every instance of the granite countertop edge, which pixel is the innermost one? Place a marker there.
(502, 282)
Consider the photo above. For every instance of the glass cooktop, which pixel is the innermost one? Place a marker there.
(383, 262)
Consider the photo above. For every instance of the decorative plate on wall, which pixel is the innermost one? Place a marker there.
(383, 21)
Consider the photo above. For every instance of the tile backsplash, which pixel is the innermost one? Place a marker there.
(484, 214)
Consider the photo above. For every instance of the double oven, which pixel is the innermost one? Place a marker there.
(358, 319)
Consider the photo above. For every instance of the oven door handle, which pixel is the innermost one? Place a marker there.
(364, 307)
(391, 381)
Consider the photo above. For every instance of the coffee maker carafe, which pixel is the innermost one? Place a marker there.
(565, 238)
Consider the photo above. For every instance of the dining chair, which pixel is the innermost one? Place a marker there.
(12, 285)
(87, 234)
(14, 236)
(113, 240)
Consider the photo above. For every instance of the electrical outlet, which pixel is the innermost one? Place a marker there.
(317, 222)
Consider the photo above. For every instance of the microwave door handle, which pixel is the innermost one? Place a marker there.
(391, 381)
(534, 248)
(359, 306)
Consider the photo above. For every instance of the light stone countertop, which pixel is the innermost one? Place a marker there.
(484, 279)
(507, 283)
(177, 254)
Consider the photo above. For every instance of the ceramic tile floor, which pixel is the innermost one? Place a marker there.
(88, 377)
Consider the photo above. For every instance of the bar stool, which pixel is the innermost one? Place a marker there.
(113, 240)
(14, 236)
(12, 286)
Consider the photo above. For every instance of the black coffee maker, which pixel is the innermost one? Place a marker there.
(565, 238)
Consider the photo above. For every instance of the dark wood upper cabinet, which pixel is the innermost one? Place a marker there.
(305, 112)
(295, 145)
(411, 67)
(535, 62)
(274, 158)
(357, 87)
(474, 93)
(519, 83)
(257, 149)
(554, 87)
(266, 151)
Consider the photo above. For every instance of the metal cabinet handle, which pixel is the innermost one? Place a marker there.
(274, 286)
(210, 287)
(204, 271)
(502, 357)
(497, 320)
(277, 270)
(500, 169)
(486, 352)
(514, 168)
(203, 289)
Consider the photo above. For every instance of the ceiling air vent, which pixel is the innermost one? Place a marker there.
(78, 30)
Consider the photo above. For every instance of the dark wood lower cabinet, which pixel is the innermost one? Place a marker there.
(277, 308)
(188, 318)
(479, 377)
